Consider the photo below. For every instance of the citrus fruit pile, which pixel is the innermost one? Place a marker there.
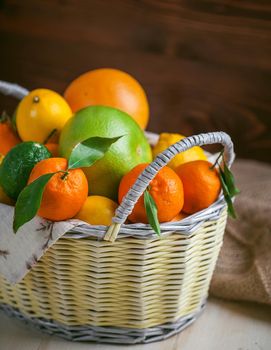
(77, 156)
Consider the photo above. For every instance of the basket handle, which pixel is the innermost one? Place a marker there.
(144, 179)
(13, 90)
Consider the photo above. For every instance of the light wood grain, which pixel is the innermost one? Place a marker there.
(223, 326)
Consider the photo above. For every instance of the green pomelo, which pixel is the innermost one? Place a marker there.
(18, 164)
(130, 150)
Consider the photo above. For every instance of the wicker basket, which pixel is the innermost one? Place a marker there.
(137, 289)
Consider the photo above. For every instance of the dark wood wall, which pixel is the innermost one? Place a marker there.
(205, 64)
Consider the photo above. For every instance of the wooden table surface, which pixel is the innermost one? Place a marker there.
(222, 326)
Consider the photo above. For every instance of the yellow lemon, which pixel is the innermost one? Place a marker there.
(40, 113)
(97, 210)
(3, 197)
(166, 140)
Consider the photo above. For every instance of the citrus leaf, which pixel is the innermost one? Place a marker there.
(151, 210)
(227, 195)
(229, 180)
(89, 151)
(29, 200)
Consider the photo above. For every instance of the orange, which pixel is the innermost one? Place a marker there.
(179, 217)
(201, 185)
(8, 137)
(166, 190)
(52, 148)
(112, 88)
(64, 195)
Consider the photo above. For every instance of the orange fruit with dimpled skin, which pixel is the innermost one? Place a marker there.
(63, 197)
(166, 189)
(112, 88)
(8, 137)
(201, 185)
(179, 217)
(53, 149)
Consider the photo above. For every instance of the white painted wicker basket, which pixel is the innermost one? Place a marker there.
(138, 289)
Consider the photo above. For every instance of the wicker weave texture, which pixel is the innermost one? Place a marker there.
(106, 334)
(140, 288)
(131, 283)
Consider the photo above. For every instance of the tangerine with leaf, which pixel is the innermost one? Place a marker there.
(65, 192)
(57, 188)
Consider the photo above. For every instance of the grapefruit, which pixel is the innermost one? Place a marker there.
(130, 150)
(109, 87)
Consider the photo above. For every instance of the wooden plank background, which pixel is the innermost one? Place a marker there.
(205, 64)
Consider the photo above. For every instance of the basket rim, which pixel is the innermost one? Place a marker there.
(185, 226)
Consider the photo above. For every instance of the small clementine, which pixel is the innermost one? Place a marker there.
(8, 137)
(201, 185)
(179, 217)
(166, 189)
(65, 193)
(52, 148)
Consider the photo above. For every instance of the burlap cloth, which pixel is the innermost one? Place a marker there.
(243, 270)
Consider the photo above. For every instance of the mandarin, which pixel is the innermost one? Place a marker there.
(65, 193)
(179, 217)
(52, 148)
(8, 137)
(201, 185)
(166, 189)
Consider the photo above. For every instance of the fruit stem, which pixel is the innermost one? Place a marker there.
(65, 174)
(4, 117)
(50, 136)
(36, 99)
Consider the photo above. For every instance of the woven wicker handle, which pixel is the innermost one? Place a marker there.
(144, 179)
(13, 90)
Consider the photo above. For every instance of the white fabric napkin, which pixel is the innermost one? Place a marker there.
(21, 251)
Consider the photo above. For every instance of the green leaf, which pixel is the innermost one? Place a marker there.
(89, 151)
(29, 200)
(151, 210)
(229, 180)
(221, 153)
(227, 195)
